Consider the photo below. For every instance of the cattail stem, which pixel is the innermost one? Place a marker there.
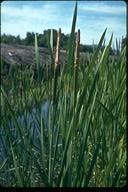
(57, 64)
(76, 64)
(37, 57)
(51, 39)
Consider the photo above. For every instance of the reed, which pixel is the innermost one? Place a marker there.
(76, 65)
(57, 65)
(81, 140)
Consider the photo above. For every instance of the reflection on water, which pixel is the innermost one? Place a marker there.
(30, 122)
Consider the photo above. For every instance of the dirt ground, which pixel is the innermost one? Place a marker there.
(25, 55)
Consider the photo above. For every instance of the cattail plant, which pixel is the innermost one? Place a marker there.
(57, 64)
(37, 57)
(76, 64)
(85, 147)
(57, 58)
(93, 45)
(51, 44)
(117, 46)
(51, 39)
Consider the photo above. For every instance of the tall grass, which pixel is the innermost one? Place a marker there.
(83, 142)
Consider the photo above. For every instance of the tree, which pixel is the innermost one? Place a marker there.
(18, 39)
(10, 39)
(64, 41)
(30, 38)
(124, 41)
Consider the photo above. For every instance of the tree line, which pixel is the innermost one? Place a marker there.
(42, 40)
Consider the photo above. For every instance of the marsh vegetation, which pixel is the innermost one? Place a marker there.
(79, 140)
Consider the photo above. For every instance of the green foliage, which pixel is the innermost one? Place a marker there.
(42, 40)
(124, 42)
(29, 40)
(81, 145)
(10, 39)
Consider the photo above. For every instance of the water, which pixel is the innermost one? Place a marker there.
(30, 121)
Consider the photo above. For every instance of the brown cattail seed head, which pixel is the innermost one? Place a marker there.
(57, 58)
(77, 50)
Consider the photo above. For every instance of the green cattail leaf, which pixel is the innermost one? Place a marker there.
(72, 40)
(18, 174)
(93, 163)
